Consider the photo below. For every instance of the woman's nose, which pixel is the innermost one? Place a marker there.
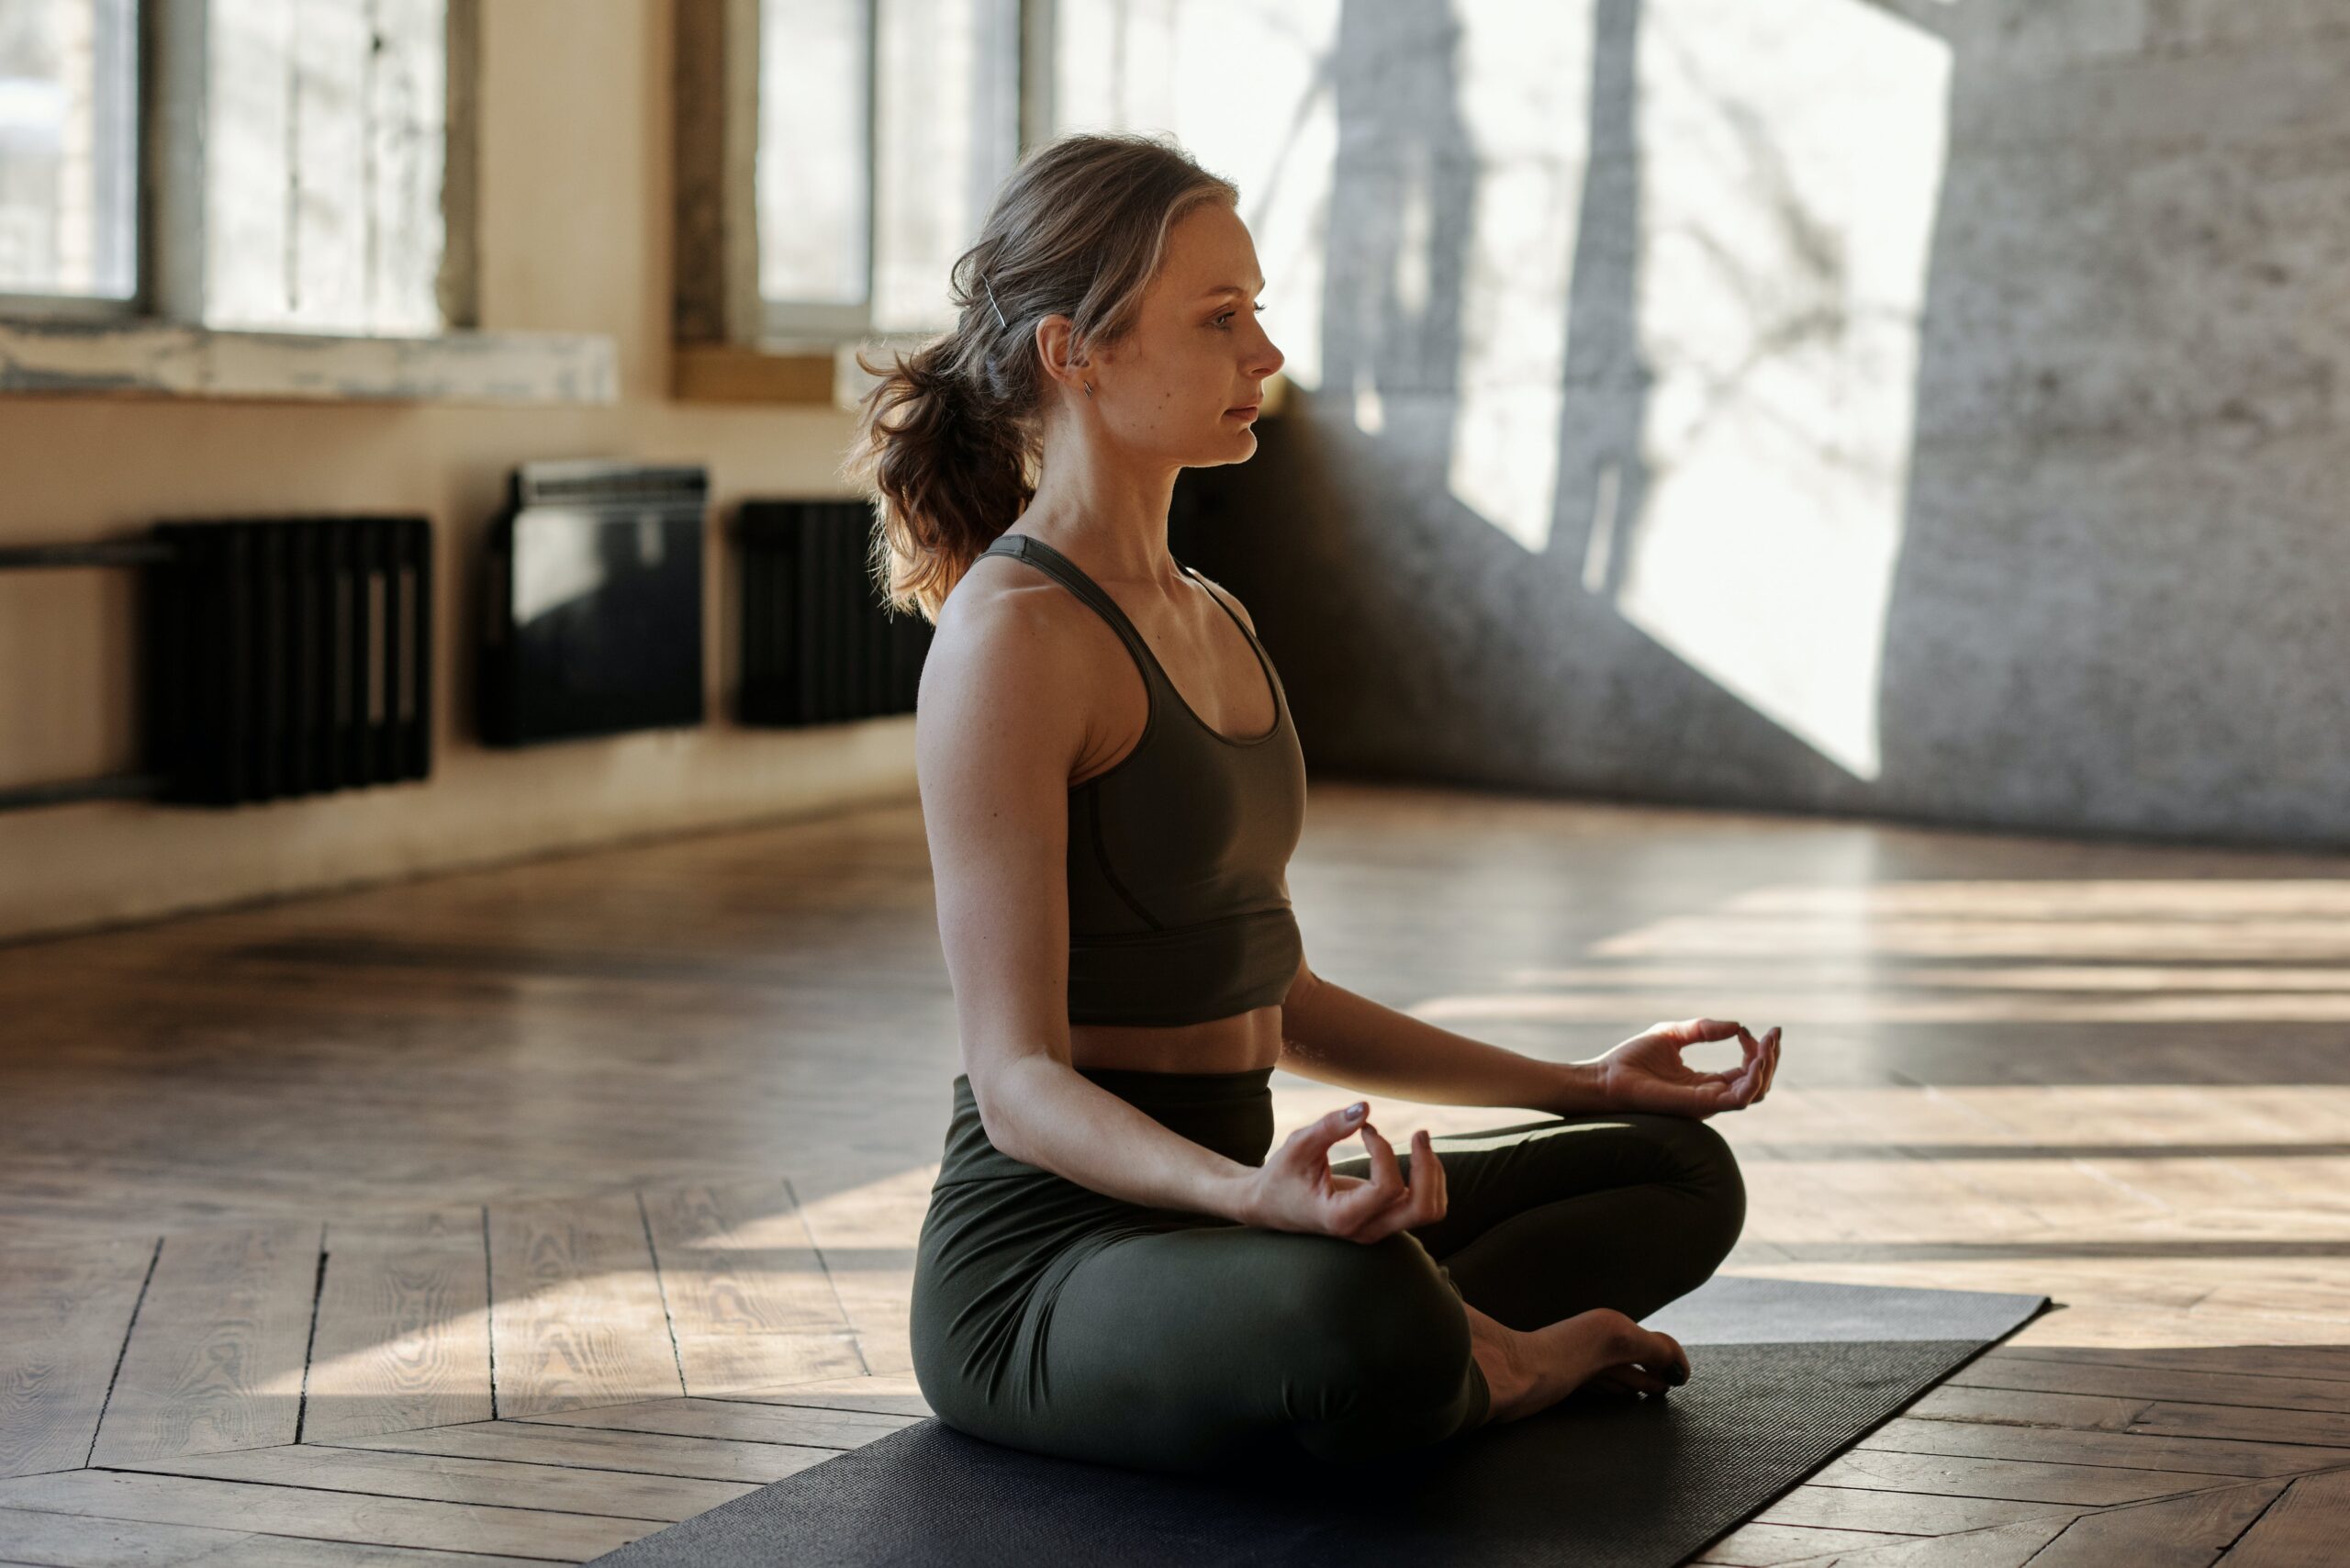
(1272, 360)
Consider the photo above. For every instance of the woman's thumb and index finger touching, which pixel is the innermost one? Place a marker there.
(1307, 1150)
(1313, 1141)
(1367, 1207)
(1694, 1031)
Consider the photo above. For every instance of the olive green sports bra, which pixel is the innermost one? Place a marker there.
(1178, 907)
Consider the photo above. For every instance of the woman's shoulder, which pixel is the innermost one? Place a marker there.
(997, 596)
(1002, 626)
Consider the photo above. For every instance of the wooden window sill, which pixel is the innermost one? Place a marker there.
(727, 372)
(144, 357)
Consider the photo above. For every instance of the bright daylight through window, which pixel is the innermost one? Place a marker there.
(67, 149)
(884, 127)
(325, 133)
(298, 185)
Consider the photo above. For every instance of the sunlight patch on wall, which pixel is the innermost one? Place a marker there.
(1526, 73)
(1789, 166)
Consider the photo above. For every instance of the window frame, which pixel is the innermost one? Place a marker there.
(158, 343)
(70, 306)
(720, 315)
(168, 82)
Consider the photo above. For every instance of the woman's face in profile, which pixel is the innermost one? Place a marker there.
(1198, 351)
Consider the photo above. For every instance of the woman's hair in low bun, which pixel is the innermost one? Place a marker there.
(949, 440)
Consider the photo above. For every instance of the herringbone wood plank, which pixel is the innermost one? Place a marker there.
(645, 1136)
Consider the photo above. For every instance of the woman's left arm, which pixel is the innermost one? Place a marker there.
(1331, 1034)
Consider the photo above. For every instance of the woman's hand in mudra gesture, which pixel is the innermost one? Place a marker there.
(1646, 1073)
(1296, 1189)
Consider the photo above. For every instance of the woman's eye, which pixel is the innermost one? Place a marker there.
(1228, 315)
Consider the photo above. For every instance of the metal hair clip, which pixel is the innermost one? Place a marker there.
(992, 305)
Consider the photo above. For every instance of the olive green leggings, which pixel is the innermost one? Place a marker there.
(1051, 1317)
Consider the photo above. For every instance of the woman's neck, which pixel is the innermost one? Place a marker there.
(1118, 524)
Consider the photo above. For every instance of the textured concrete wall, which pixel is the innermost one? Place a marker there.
(1916, 408)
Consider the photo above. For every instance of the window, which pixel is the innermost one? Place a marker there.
(69, 162)
(296, 183)
(324, 129)
(914, 108)
(815, 213)
(265, 199)
(825, 187)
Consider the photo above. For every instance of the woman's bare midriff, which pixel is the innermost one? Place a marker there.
(1237, 1044)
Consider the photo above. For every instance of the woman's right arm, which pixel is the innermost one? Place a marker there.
(1001, 727)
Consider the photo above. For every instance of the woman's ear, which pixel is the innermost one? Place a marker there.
(1055, 340)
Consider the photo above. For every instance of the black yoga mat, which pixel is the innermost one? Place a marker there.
(1786, 1375)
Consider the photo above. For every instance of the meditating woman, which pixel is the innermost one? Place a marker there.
(1116, 1264)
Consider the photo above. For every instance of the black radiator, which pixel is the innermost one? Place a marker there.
(288, 657)
(594, 597)
(817, 643)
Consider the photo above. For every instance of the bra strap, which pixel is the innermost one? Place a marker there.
(1263, 658)
(1055, 565)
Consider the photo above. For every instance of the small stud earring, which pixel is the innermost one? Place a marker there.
(1089, 390)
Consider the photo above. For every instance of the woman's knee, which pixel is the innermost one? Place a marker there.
(1704, 1165)
(1379, 1348)
(1391, 1297)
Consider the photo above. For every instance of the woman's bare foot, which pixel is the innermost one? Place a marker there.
(1526, 1373)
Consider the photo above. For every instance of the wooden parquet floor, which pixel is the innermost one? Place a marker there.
(506, 1217)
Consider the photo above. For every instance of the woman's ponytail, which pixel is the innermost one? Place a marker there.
(948, 472)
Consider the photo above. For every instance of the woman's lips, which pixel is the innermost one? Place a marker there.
(1248, 412)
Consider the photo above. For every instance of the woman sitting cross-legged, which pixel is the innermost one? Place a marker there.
(1117, 1263)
